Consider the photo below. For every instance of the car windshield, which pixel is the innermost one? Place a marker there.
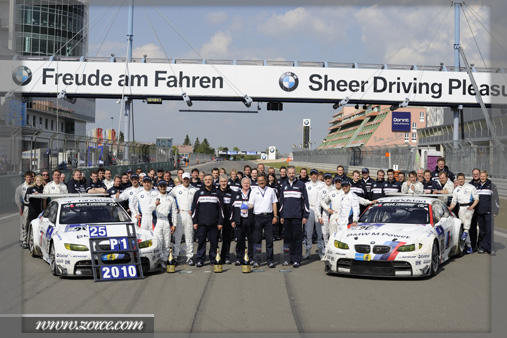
(396, 212)
(92, 212)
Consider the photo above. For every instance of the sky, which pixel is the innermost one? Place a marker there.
(395, 34)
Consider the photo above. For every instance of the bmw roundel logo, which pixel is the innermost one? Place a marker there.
(53, 188)
(271, 150)
(306, 122)
(309, 188)
(181, 192)
(142, 196)
(22, 75)
(288, 81)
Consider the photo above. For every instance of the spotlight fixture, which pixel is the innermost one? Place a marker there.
(248, 101)
(393, 107)
(365, 106)
(356, 106)
(404, 104)
(341, 103)
(187, 99)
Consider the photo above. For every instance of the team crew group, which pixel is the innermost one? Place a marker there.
(250, 205)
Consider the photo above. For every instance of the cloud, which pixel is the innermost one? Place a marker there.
(150, 49)
(217, 46)
(215, 18)
(389, 35)
(320, 23)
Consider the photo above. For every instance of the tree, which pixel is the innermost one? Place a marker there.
(122, 137)
(187, 142)
(197, 145)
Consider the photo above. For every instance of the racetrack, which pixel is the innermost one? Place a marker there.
(304, 300)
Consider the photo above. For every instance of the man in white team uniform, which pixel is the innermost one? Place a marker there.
(184, 195)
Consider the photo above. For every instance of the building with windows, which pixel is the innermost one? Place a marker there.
(371, 126)
(32, 28)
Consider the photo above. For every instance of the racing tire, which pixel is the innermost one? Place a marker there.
(434, 260)
(31, 244)
(52, 260)
(461, 244)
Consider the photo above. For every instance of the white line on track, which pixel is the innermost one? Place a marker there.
(8, 216)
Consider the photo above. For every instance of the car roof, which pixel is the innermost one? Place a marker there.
(76, 199)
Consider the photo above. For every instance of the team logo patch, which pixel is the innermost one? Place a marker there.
(22, 75)
(334, 195)
(131, 193)
(142, 196)
(52, 188)
(288, 81)
(309, 188)
(181, 192)
(202, 192)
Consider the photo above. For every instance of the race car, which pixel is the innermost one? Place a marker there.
(60, 235)
(396, 237)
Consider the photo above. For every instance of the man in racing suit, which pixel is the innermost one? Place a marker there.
(313, 189)
(184, 195)
(129, 193)
(19, 198)
(164, 205)
(143, 203)
(324, 216)
(349, 207)
(466, 195)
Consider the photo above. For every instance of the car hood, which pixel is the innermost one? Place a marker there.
(384, 232)
(78, 234)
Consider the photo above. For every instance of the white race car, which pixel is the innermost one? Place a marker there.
(397, 237)
(60, 235)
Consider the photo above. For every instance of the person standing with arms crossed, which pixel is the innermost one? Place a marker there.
(294, 212)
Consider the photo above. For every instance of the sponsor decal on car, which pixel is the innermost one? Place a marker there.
(417, 262)
(427, 261)
(423, 256)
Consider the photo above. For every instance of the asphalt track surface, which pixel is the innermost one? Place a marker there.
(466, 297)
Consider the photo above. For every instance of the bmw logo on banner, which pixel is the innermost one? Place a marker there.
(288, 81)
(22, 75)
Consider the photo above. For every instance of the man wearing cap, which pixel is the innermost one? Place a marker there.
(294, 212)
(160, 176)
(313, 189)
(331, 204)
(349, 207)
(184, 195)
(325, 215)
(164, 206)
(208, 217)
(129, 193)
(143, 204)
(368, 182)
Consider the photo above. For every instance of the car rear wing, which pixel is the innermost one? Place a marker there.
(417, 195)
(80, 194)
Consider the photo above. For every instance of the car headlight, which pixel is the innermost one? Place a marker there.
(75, 247)
(145, 244)
(341, 245)
(408, 247)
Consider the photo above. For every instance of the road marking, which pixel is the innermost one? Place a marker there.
(501, 234)
(8, 216)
